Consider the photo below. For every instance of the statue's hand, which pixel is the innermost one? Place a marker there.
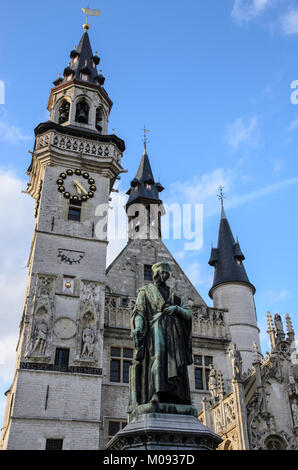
(170, 310)
(139, 343)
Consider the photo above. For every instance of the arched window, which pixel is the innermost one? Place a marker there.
(98, 120)
(64, 112)
(82, 112)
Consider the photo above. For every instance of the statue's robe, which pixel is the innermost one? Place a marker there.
(167, 350)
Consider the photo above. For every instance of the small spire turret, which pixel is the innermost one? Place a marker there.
(227, 258)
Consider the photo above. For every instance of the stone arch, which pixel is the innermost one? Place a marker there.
(62, 110)
(101, 118)
(82, 111)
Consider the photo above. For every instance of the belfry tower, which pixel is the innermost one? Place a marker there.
(232, 290)
(54, 401)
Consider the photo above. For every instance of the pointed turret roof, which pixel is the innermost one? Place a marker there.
(227, 259)
(143, 187)
(83, 61)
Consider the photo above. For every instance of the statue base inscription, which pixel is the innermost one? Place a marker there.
(161, 431)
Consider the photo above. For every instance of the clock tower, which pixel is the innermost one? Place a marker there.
(54, 401)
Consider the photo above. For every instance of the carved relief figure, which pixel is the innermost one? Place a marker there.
(295, 413)
(40, 336)
(88, 339)
(278, 326)
(236, 360)
(212, 384)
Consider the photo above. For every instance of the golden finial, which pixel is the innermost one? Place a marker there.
(113, 131)
(89, 12)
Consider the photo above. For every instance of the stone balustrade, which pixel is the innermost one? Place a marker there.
(78, 145)
(206, 321)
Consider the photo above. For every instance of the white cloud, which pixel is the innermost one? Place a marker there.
(199, 274)
(260, 193)
(245, 11)
(203, 190)
(200, 189)
(10, 133)
(238, 133)
(16, 228)
(289, 23)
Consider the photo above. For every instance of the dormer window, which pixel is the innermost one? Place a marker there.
(75, 59)
(82, 112)
(69, 77)
(84, 76)
(148, 186)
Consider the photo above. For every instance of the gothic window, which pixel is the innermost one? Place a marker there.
(148, 273)
(202, 371)
(115, 426)
(54, 444)
(98, 120)
(64, 112)
(82, 112)
(62, 357)
(121, 360)
(74, 211)
(124, 302)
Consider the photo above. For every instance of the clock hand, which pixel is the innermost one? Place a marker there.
(80, 187)
(77, 187)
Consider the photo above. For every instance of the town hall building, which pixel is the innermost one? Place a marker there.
(71, 381)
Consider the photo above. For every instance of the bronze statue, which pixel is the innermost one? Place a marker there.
(162, 330)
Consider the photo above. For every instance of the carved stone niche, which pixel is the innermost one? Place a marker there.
(88, 323)
(88, 337)
(40, 336)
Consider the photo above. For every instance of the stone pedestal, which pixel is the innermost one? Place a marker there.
(160, 431)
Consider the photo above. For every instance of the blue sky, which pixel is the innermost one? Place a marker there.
(212, 81)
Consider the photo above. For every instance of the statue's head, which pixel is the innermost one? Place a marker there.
(161, 272)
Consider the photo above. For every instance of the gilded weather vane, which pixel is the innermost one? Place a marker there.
(89, 12)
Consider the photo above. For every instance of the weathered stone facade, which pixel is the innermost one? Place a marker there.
(70, 386)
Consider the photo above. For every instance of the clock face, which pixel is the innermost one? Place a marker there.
(76, 185)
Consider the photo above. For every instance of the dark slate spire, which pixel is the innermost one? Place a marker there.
(143, 187)
(227, 258)
(83, 62)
